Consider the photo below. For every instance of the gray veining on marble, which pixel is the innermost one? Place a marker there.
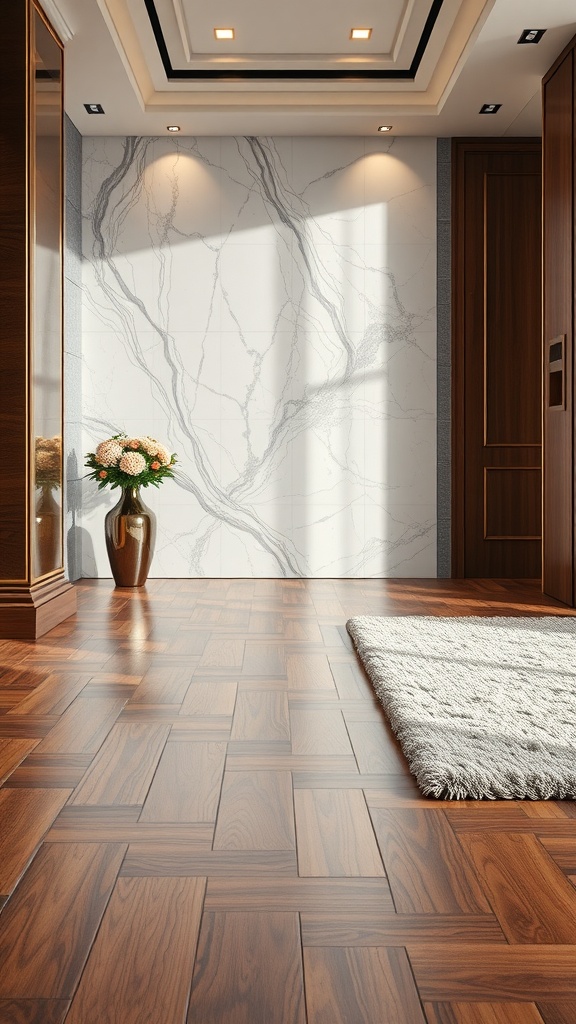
(267, 307)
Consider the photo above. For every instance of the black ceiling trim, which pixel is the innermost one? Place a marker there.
(175, 74)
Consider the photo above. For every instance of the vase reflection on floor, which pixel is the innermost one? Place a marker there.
(130, 529)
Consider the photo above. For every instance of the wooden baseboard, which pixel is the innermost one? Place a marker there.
(27, 612)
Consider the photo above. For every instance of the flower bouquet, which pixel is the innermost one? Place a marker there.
(130, 528)
(123, 461)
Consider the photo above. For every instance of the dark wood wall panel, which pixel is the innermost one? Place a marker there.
(558, 325)
(13, 292)
(497, 411)
(513, 503)
(512, 252)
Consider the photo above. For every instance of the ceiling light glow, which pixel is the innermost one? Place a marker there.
(489, 108)
(224, 33)
(360, 33)
(173, 127)
(385, 128)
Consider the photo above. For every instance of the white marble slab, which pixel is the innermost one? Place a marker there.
(267, 308)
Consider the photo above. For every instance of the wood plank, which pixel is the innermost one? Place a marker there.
(32, 776)
(562, 851)
(197, 836)
(351, 682)
(264, 659)
(144, 953)
(372, 928)
(26, 726)
(186, 786)
(309, 672)
(475, 973)
(162, 686)
(122, 770)
(261, 715)
(256, 812)
(83, 727)
(358, 895)
(33, 1011)
(230, 984)
(48, 927)
(334, 834)
(513, 821)
(319, 732)
(210, 698)
(557, 1013)
(179, 859)
(360, 986)
(12, 752)
(482, 1013)
(25, 815)
(249, 760)
(532, 899)
(221, 656)
(53, 696)
(377, 751)
(428, 871)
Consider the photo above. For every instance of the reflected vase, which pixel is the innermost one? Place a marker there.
(130, 529)
(48, 516)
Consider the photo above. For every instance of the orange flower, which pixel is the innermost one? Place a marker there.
(102, 474)
(134, 444)
(154, 465)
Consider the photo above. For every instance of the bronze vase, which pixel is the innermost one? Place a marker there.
(130, 529)
(48, 527)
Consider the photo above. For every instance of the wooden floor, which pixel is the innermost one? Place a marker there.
(204, 818)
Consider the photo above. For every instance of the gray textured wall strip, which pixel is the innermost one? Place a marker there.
(444, 353)
(73, 461)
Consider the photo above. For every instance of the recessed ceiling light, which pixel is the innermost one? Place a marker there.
(224, 33)
(94, 108)
(385, 128)
(532, 35)
(360, 33)
(489, 108)
(173, 127)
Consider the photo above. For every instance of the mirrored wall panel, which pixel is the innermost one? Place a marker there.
(46, 306)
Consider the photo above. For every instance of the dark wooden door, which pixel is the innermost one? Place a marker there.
(558, 299)
(497, 359)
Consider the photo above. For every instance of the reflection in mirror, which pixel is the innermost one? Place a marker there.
(46, 273)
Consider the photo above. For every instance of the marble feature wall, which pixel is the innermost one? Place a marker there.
(267, 307)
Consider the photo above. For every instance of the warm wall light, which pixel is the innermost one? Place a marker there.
(224, 33)
(385, 128)
(360, 33)
(173, 127)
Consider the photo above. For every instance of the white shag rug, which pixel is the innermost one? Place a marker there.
(484, 708)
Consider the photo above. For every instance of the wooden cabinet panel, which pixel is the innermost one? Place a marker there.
(558, 142)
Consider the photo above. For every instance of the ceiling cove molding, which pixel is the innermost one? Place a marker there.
(57, 20)
(261, 75)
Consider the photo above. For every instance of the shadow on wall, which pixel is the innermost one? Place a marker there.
(79, 546)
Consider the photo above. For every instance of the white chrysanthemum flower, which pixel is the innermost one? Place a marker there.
(164, 455)
(133, 463)
(108, 453)
(149, 445)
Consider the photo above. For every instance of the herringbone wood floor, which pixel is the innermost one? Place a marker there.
(204, 818)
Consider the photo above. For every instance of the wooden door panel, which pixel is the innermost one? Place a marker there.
(497, 359)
